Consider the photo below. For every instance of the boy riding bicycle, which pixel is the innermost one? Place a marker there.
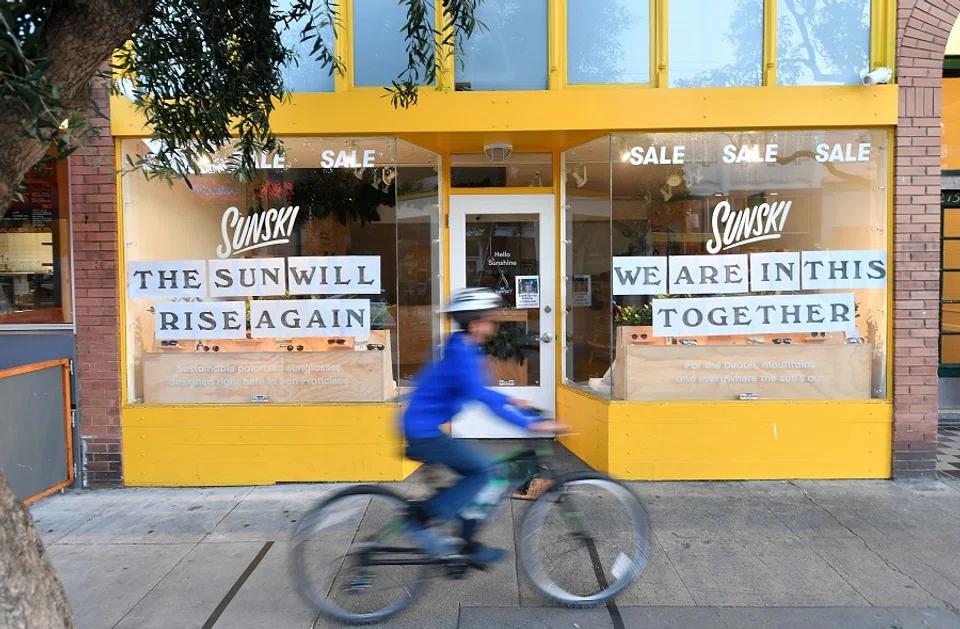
(443, 389)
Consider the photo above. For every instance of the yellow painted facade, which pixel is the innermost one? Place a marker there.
(256, 444)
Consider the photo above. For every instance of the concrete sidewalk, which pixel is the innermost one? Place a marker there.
(753, 554)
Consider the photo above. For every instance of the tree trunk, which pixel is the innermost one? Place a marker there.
(31, 595)
(78, 40)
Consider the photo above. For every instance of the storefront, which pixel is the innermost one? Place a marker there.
(698, 279)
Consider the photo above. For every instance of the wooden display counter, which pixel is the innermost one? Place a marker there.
(802, 370)
(264, 370)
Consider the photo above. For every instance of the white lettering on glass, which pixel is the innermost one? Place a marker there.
(733, 228)
(843, 152)
(749, 154)
(640, 156)
(246, 233)
(347, 159)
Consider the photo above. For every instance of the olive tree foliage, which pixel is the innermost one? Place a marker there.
(206, 74)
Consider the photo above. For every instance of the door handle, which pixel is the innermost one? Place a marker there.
(546, 337)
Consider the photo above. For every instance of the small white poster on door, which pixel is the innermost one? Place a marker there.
(581, 291)
(528, 291)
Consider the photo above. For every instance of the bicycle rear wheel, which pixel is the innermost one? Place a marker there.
(585, 540)
(337, 549)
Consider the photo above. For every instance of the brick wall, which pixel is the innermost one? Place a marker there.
(922, 30)
(93, 193)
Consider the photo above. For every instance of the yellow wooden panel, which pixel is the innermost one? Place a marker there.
(255, 444)
(951, 221)
(951, 285)
(950, 348)
(550, 111)
(751, 440)
(587, 417)
(951, 254)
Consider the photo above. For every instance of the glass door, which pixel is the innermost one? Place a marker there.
(507, 243)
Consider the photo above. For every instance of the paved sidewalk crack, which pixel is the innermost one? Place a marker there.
(886, 562)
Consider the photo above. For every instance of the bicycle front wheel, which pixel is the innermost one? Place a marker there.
(585, 540)
(349, 556)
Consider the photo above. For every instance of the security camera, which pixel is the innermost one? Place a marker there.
(877, 77)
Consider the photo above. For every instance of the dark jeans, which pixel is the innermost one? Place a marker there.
(473, 465)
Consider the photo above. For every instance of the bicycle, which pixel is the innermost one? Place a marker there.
(376, 550)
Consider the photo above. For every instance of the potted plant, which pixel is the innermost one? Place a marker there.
(508, 350)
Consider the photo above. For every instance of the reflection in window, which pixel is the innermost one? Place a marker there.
(715, 44)
(306, 74)
(608, 41)
(510, 53)
(821, 42)
(379, 42)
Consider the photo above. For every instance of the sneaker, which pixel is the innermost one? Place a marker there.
(430, 542)
(484, 554)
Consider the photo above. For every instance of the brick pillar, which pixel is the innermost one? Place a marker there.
(93, 194)
(922, 30)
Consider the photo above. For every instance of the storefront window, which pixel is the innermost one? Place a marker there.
(608, 41)
(35, 279)
(523, 170)
(743, 266)
(306, 74)
(379, 41)
(510, 53)
(318, 282)
(822, 42)
(715, 44)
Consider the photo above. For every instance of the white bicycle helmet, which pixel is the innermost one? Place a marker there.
(470, 304)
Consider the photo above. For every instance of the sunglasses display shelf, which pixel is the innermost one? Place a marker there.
(784, 366)
(290, 371)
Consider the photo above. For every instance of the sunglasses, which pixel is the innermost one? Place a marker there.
(642, 336)
(336, 342)
(169, 344)
(818, 335)
(290, 348)
(376, 346)
(782, 341)
(688, 341)
(215, 348)
(855, 340)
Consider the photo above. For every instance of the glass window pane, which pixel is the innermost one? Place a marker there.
(306, 74)
(308, 285)
(524, 170)
(715, 44)
(35, 280)
(511, 52)
(821, 42)
(608, 41)
(492, 239)
(379, 43)
(738, 266)
(588, 342)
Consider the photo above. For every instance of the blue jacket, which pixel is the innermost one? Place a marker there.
(446, 385)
